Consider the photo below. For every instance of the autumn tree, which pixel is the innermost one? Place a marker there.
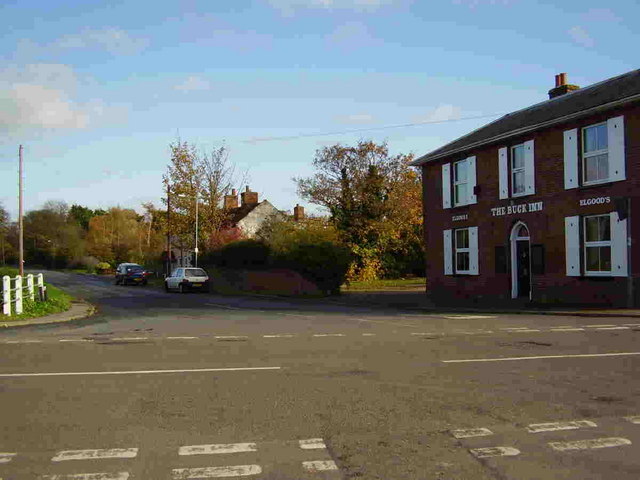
(4, 233)
(374, 202)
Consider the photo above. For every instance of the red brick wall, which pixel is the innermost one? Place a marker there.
(545, 227)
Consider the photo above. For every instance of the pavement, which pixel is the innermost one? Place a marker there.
(79, 310)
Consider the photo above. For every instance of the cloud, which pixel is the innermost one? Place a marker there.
(39, 96)
(580, 36)
(351, 35)
(290, 7)
(356, 119)
(111, 39)
(193, 83)
(442, 112)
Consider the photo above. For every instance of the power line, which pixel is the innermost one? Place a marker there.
(386, 127)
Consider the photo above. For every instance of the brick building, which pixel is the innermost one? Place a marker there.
(542, 204)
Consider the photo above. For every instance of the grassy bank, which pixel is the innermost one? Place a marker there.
(396, 284)
(57, 301)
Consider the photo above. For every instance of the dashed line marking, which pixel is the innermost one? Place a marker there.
(368, 334)
(215, 449)
(312, 444)
(494, 452)
(89, 476)
(555, 426)
(468, 317)
(222, 337)
(223, 306)
(542, 357)
(423, 333)
(526, 330)
(95, 454)
(590, 444)
(613, 328)
(23, 341)
(567, 329)
(319, 465)
(600, 326)
(633, 419)
(6, 457)
(471, 432)
(75, 340)
(129, 338)
(329, 335)
(383, 322)
(216, 472)
(181, 338)
(631, 324)
(279, 335)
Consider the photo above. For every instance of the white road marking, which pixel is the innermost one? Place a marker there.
(494, 452)
(23, 341)
(555, 426)
(137, 372)
(599, 326)
(634, 419)
(312, 443)
(319, 465)
(223, 306)
(514, 328)
(329, 335)
(467, 317)
(565, 329)
(423, 333)
(222, 337)
(88, 476)
(383, 322)
(613, 328)
(279, 335)
(471, 432)
(631, 324)
(526, 330)
(508, 359)
(216, 472)
(78, 340)
(590, 444)
(217, 448)
(6, 457)
(368, 334)
(181, 338)
(129, 338)
(95, 454)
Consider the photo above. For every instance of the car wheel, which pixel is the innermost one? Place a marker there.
(181, 288)
(166, 286)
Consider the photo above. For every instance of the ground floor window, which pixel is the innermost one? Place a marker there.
(461, 251)
(597, 244)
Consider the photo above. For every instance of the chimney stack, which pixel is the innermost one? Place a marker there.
(298, 213)
(562, 86)
(248, 197)
(231, 201)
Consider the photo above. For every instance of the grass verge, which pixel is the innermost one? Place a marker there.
(57, 301)
(395, 284)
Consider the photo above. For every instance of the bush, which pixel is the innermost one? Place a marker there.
(103, 267)
(324, 263)
(241, 254)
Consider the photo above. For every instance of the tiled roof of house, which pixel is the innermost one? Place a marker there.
(617, 90)
(237, 214)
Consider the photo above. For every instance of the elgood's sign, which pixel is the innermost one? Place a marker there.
(594, 201)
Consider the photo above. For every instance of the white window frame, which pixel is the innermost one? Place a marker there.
(457, 250)
(595, 153)
(456, 182)
(512, 171)
(599, 243)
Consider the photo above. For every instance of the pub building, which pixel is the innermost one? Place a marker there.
(540, 205)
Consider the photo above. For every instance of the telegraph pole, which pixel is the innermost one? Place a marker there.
(168, 230)
(20, 214)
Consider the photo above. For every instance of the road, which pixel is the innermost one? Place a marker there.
(168, 386)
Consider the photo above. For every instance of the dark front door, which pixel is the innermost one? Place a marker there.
(524, 268)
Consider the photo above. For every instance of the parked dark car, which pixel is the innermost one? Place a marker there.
(131, 273)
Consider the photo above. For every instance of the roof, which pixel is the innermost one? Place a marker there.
(609, 93)
(237, 214)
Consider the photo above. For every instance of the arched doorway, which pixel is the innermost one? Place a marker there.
(520, 261)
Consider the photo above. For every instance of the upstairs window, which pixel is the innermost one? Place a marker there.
(595, 153)
(460, 183)
(517, 170)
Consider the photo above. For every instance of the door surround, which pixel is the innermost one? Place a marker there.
(519, 232)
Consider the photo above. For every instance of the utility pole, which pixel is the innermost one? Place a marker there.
(20, 214)
(168, 229)
(196, 249)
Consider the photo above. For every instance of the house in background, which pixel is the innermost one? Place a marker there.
(247, 218)
(539, 204)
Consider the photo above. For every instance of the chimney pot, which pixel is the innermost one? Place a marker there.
(562, 86)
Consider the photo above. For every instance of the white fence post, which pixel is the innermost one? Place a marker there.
(18, 289)
(6, 295)
(40, 280)
(32, 295)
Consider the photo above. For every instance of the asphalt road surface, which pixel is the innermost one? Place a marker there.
(169, 386)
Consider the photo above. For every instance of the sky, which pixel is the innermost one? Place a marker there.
(96, 91)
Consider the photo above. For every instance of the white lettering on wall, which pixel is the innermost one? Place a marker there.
(457, 218)
(516, 209)
(594, 201)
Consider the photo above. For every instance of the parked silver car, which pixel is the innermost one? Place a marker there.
(186, 279)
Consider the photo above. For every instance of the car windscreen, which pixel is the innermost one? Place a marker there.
(195, 272)
(135, 268)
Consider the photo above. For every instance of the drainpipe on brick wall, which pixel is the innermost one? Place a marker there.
(630, 290)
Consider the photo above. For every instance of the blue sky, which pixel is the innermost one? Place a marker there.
(97, 90)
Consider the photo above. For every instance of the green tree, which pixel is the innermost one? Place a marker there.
(4, 231)
(82, 215)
